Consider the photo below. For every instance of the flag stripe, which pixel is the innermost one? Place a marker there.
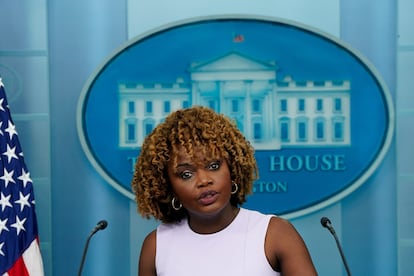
(33, 260)
(19, 268)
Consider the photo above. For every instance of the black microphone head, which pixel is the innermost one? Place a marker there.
(325, 222)
(102, 225)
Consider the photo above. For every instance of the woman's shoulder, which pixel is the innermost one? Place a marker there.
(281, 227)
(286, 249)
(275, 222)
(254, 216)
(256, 213)
(150, 239)
(172, 227)
(147, 256)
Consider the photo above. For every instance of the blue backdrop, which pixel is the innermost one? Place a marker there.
(49, 50)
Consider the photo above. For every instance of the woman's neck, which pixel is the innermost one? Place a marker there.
(204, 224)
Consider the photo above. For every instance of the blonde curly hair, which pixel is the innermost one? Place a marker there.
(191, 128)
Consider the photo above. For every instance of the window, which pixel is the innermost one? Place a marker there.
(283, 106)
(302, 129)
(256, 107)
(319, 105)
(284, 130)
(148, 107)
(131, 133)
(257, 131)
(337, 105)
(131, 107)
(130, 130)
(186, 104)
(167, 107)
(301, 105)
(319, 129)
(212, 104)
(235, 106)
(148, 127)
(338, 128)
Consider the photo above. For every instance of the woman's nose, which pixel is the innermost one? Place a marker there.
(204, 178)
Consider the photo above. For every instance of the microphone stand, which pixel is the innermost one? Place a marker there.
(85, 250)
(100, 226)
(327, 224)
(342, 253)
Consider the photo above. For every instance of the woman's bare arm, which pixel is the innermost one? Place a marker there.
(146, 265)
(286, 250)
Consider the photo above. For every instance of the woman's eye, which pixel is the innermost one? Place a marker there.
(185, 174)
(214, 165)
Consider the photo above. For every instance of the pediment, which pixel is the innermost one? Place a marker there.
(232, 62)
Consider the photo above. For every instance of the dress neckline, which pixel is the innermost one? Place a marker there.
(231, 225)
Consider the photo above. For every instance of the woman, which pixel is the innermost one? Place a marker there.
(193, 174)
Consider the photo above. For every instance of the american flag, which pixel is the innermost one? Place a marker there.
(19, 244)
(238, 38)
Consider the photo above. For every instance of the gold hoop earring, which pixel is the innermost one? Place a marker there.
(174, 204)
(234, 187)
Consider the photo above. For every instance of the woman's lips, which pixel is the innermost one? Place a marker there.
(208, 197)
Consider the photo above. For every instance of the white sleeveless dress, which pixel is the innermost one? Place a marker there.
(236, 250)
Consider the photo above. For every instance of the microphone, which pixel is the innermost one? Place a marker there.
(327, 224)
(101, 225)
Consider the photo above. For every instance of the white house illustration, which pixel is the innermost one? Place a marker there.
(271, 113)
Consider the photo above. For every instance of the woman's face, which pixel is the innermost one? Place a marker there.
(202, 185)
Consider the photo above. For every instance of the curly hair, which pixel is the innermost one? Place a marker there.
(192, 129)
